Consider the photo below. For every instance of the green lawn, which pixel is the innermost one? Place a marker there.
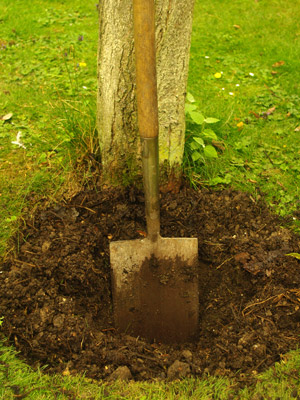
(244, 71)
(48, 56)
(17, 380)
(243, 119)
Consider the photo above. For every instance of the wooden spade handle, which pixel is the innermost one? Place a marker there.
(146, 85)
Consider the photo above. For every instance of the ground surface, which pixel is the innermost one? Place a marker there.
(55, 293)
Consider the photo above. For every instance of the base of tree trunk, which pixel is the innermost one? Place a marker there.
(116, 102)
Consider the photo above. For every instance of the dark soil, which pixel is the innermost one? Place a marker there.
(55, 293)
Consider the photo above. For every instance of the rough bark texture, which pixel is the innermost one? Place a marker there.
(117, 116)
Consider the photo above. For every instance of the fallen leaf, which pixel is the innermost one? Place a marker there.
(270, 110)
(280, 184)
(218, 145)
(255, 114)
(271, 172)
(278, 64)
(253, 268)
(242, 257)
(274, 72)
(7, 116)
(66, 372)
(268, 273)
(236, 26)
(297, 129)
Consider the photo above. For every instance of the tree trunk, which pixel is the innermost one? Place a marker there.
(116, 113)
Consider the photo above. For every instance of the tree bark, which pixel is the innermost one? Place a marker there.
(116, 103)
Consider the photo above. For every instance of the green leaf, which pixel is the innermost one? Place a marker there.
(189, 108)
(210, 152)
(196, 155)
(194, 146)
(210, 134)
(244, 142)
(11, 219)
(42, 158)
(190, 98)
(284, 167)
(218, 179)
(239, 162)
(199, 141)
(295, 255)
(197, 117)
(211, 120)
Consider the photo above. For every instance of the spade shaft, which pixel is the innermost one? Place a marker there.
(154, 280)
(146, 92)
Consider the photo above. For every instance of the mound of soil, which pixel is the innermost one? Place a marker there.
(55, 293)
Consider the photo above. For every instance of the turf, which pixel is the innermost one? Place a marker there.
(244, 72)
(48, 85)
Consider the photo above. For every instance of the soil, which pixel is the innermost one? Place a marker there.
(55, 292)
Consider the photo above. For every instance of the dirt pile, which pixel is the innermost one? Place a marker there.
(55, 294)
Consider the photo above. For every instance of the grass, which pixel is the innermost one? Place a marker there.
(48, 69)
(48, 84)
(243, 67)
(18, 380)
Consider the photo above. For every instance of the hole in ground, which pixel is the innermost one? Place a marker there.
(55, 293)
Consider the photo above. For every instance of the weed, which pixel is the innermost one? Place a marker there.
(200, 143)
